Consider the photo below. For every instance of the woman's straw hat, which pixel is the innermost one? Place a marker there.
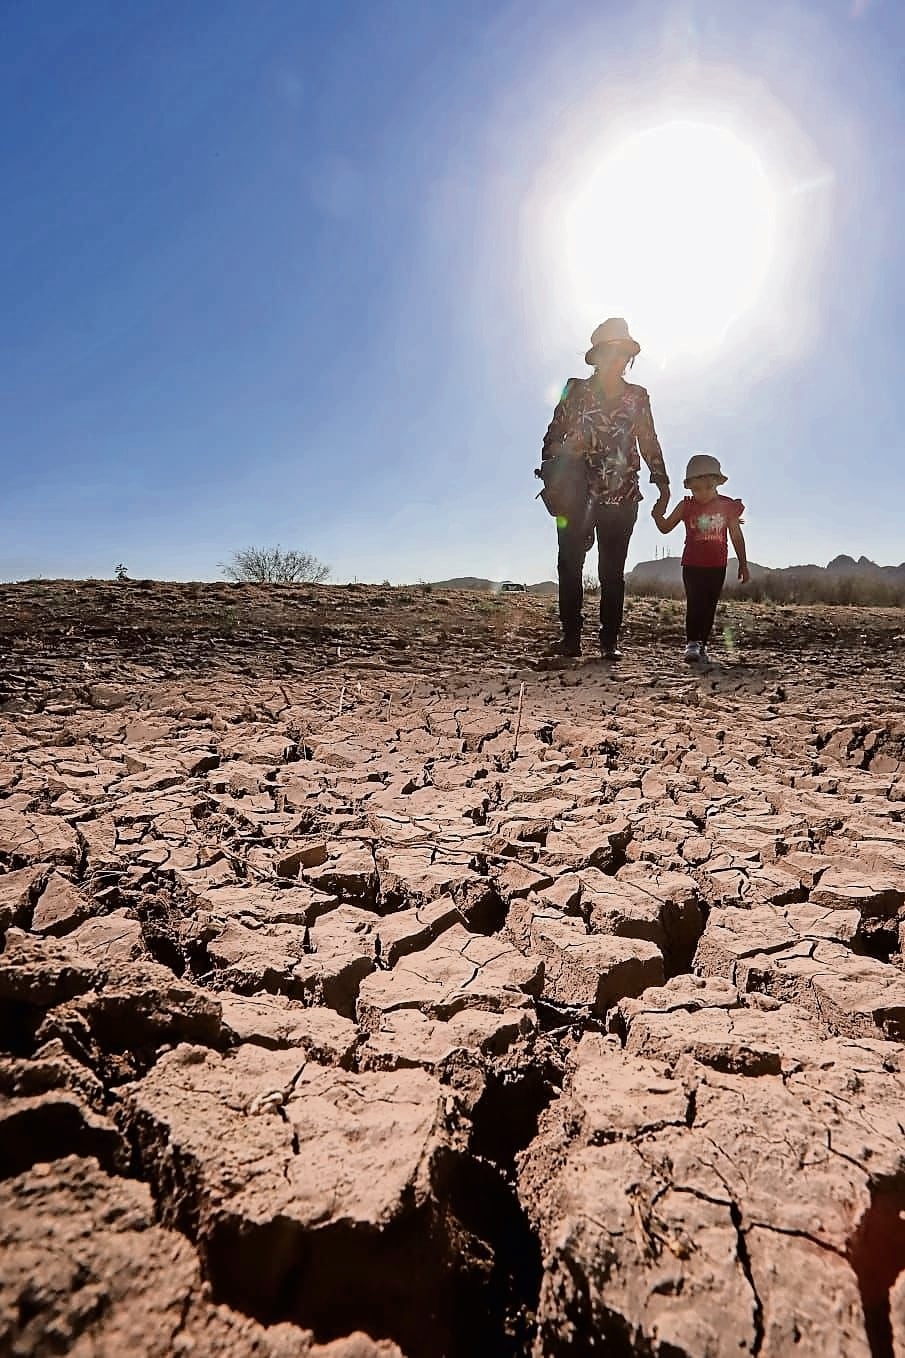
(613, 333)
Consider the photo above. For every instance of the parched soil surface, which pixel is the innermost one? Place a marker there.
(372, 986)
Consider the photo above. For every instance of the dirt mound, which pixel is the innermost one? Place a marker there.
(365, 975)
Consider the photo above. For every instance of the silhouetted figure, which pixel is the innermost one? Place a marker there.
(590, 461)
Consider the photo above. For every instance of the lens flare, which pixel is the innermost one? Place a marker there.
(676, 229)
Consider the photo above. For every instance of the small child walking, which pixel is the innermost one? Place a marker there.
(708, 517)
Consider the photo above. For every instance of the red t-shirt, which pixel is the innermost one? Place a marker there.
(706, 527)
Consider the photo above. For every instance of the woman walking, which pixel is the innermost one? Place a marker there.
(590, 463)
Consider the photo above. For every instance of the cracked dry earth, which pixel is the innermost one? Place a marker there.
(357, 1001)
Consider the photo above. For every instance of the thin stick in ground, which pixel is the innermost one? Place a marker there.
(518, 719)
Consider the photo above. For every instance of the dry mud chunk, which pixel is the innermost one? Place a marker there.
(524, 879)
(266, 748)
(532, 817)
(731, 1037)
(593, 970)
(776, 883)
(342, 950)
(461, 807)
(259, 958)
(323, 965)
(85, 1270)
(28, 837)
(266, 904)
(857, 996)
(616, 1269)
(141, 1006)
(873, 893)
(665, 885)
(813, 920)
(663, 907)
(111, 696)
(41, 972)
(156, 778)
(804, 867)
(799, 1318)
(459, 971)
(587, 846)
(51, 1068)
(309, 854)
(50, 1107)
(666, 1214)
(477, 727)
(18, 892)
(408, 1038)
(681, 993)
(311, 1190)
(411, 876)
(409, 931)
(116, 937)
(61, 907)
(733, 935)
(350, 874)
(45, 1126)
(342, 754)
(749, 836)
(272, 1021)
(853, 996)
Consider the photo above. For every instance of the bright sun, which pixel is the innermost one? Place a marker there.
(675, 230)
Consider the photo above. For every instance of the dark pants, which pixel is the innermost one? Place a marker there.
(702, 594)
(613, 524)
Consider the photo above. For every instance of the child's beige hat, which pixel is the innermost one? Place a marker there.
(702, 464)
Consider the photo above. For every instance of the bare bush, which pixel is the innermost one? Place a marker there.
(863, 591)
(654, 589)
(271, 565)
(590, 584)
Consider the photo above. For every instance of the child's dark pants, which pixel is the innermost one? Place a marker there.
(702, 594)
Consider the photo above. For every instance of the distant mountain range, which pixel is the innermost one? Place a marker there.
(668, 569)
(493, 586)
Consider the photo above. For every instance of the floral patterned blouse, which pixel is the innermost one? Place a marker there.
(611, 433)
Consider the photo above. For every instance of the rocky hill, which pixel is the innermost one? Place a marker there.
(669, 570)
(492, 586)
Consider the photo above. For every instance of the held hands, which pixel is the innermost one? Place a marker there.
(659, 508)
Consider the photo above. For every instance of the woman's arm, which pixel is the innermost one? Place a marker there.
(649, 444)
(561, 427)
(738, 542)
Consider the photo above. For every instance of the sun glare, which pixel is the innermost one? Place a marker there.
(675, 229)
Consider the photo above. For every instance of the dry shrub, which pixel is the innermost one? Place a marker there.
(777, 587)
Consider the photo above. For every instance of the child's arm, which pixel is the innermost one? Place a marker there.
(667, 522)
(741, 551)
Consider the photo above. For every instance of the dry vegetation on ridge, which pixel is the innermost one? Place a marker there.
(330, 1010)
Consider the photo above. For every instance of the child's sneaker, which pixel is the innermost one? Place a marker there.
(694, 651)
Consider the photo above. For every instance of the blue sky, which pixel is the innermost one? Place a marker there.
(298, 272)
